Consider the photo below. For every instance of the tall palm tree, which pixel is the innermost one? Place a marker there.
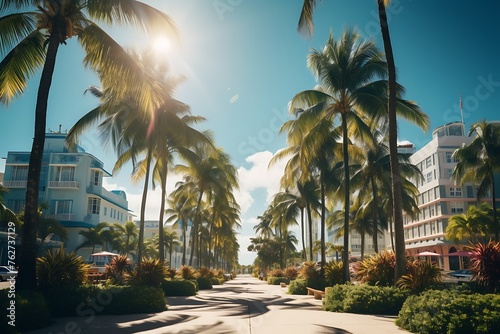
(129, 234)
(306, 26)
(472, 225)
(32, 34)
(94, 236)
(171, 240)
(48, 226)
(479, 161)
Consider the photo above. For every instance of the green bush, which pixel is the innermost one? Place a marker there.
(298, 287)
(135, 299)
(204, 283)
(277, 280)
(60, 270)
(31, 311)
(364, 299)
(178, 288)
(217, 281)
(451, 312)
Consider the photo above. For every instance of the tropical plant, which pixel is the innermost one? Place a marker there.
(58, 270)
(49, 226)
(118, 270)
(93, 236)
(479, 161)
(420, 276)
(32, 32)
(186, 272)
(377, 269)
(485, 262)
(333, 273)
(151, 272)
(474, 225)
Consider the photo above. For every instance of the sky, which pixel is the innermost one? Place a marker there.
(244, 60)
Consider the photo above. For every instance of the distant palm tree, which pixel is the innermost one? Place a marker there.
(31, 37)
(479, 161)
(94, 236)
(129, 236)
(171, 240)
(48, 226)
(474, 224)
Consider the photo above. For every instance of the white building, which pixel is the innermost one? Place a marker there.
(71, 187)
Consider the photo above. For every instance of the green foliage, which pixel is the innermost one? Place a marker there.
(298, 287)
(377, 269)
(275, 273)
(150, 272)
(186, 272)
(451, 312)
(31, 311)
(364, 299)
(204, 283)
(277, 280)
(60, 270)
(217, 281)
(136, 299)
(118, 270)
(333, 273)
(421, 275)
(64, 302)
(178, 288)
(485, 261)
(205, 272)
(309, 270)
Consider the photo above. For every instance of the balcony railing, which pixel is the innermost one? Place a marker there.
(64, 184)
(61, 216)
(15, 183)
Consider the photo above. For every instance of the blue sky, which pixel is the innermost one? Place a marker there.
(244, 60)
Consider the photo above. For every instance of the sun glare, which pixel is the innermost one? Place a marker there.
(161, 44)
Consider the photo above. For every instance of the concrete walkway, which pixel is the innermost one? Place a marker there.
(244, 305)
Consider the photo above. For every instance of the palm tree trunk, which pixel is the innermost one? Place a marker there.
(161, 236)
(323, 219)
(302, 231)
(309, 222)
(494, 206)
(26, 278)
(345, 252)
(184, 228)
(194, 231)
(374, 214)
(143, 208)
(400, 269)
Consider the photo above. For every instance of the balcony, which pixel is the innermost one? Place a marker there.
(15, 183)
(64, 184)
(61, 216)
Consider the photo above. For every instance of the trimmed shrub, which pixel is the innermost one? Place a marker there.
(217, 281)
(277, 280)
(173, 288)
(451, 312)
(204, 283)
(136, 299)
(297, 287)
(364, 299)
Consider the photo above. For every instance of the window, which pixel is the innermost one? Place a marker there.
(455, 192)
(16, 205)
(61, 207)
(19, 173)
(428, 162)
(433, 227)
(449, 158)
(456, 207)
(94, 205)
(430, 193)
(449, 173)
(432, 211)
(95, 178)
(429, 177)
(64, 173)
(105, 211)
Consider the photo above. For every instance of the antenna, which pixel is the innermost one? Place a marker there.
(462, 115)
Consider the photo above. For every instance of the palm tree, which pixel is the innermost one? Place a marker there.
(171, 240)
(475, 223)
(6, 214)
(479, 161)
(32, 36)
(94, 236)
(306, 25)
(130, 234)
(48, 226)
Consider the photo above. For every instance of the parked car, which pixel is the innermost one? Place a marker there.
(6, 273)
(462, 275)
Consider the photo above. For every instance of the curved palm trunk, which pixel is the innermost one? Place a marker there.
(400, 269)
(345, 252)
(161, 236)
(309, 222)
(494, 206)
(374, 214)
(26, 278)
(184, 228)
(209, 251)
(143, 209)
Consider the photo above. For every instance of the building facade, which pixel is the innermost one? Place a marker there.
(440, 197)
(70, 189)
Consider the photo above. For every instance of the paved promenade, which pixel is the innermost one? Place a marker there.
(244, 305)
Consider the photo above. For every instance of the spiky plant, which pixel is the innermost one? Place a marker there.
(291, 272)
(186, 272)
(151, 272)
(204, 272)
(57, 270)
(420, 276)
(377, 269)
(485, 262)
(333, 272)
(118, 270)
(276, 273)
(309, 270)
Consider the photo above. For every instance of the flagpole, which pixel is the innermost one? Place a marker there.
(462, 115)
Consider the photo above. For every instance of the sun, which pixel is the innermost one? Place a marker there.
(161, 44)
